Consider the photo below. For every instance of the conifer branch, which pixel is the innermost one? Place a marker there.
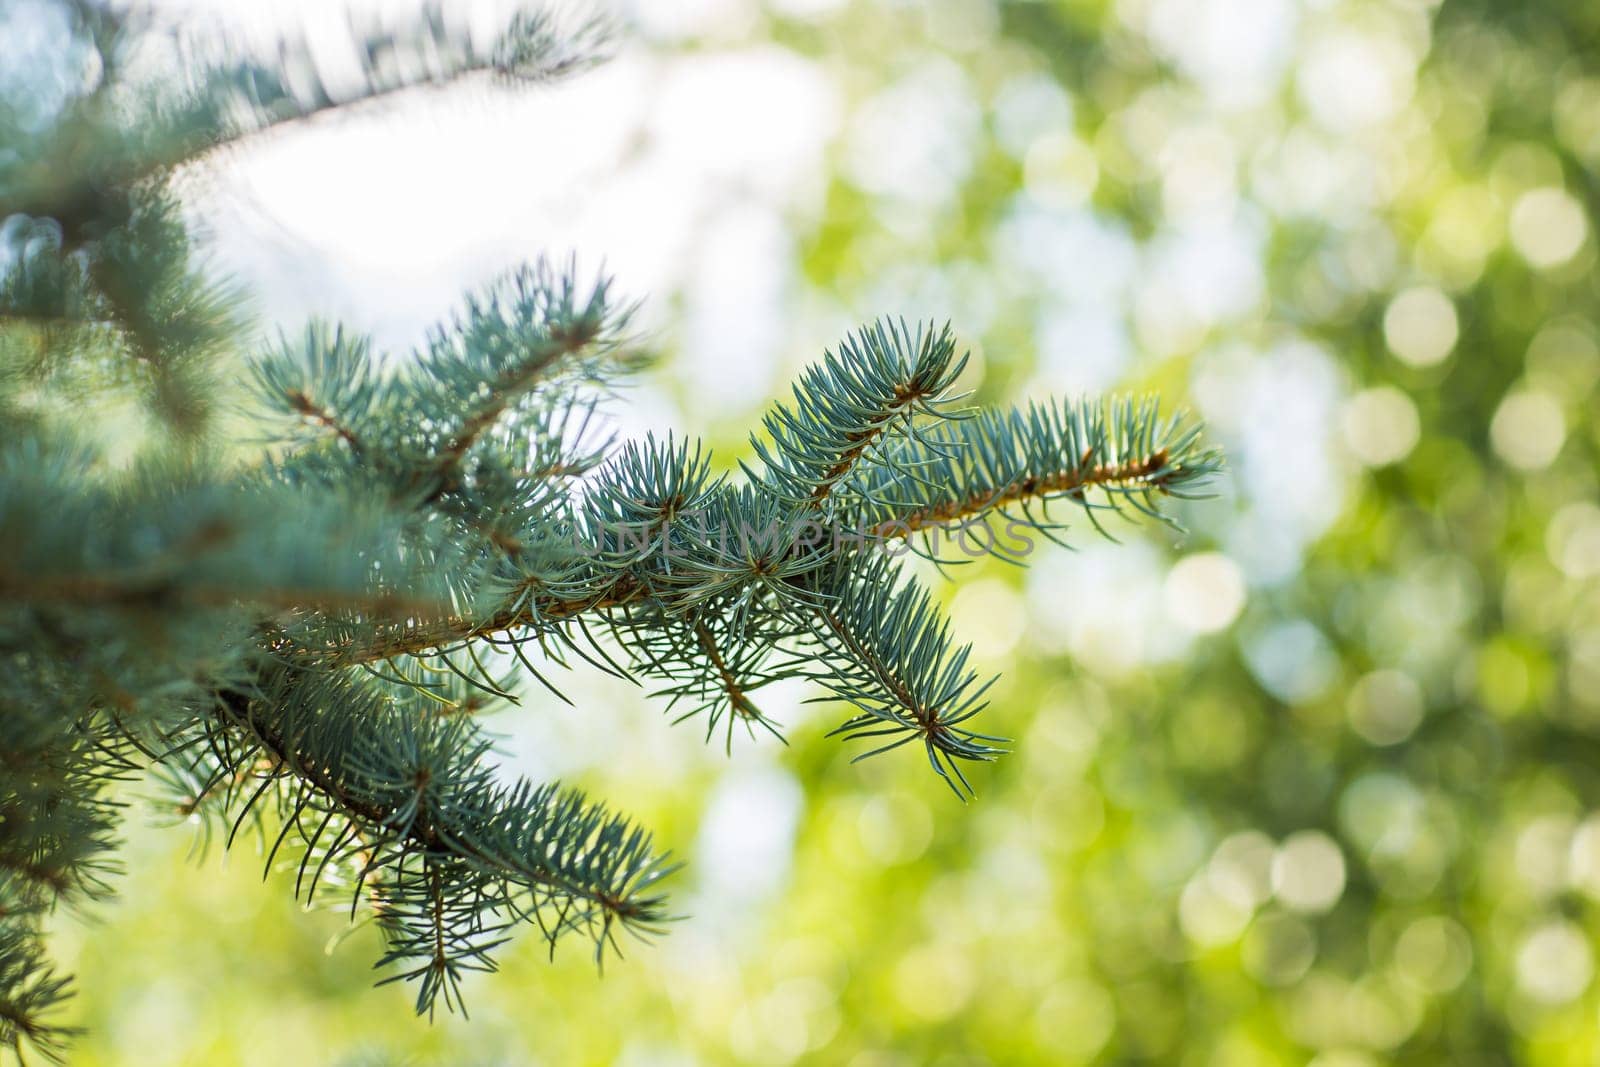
(881, 378)
(326, 378)
(738, 701)
(895, 663)
(31, 993)
(144, 591)
(1125, 450)
(323, 417)
(412, 789)
(296, 643)
(509, 340)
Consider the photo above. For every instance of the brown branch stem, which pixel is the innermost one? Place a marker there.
(740, 703)
(1074, 480)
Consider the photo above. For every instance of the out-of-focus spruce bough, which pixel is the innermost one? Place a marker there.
(296, 639)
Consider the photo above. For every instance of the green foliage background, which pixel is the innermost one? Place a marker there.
(1317, 783)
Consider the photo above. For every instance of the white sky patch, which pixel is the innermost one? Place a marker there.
(1198, 169)
(913, 140)
(746, 840)
(751, 119)
(1309, 173)
(1028, 107)
(806, 8)
(625, 164)
(1235, 50)
(44, 63)
(1071, 254)
(737, 299)
(1102, 603)
(1082, 348)
(1352, 79)
(1195, 279)
(964, 294)
(682, 19)
(1276, 413)
(383, 217)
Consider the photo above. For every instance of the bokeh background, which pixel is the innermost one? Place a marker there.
(1313, 783)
